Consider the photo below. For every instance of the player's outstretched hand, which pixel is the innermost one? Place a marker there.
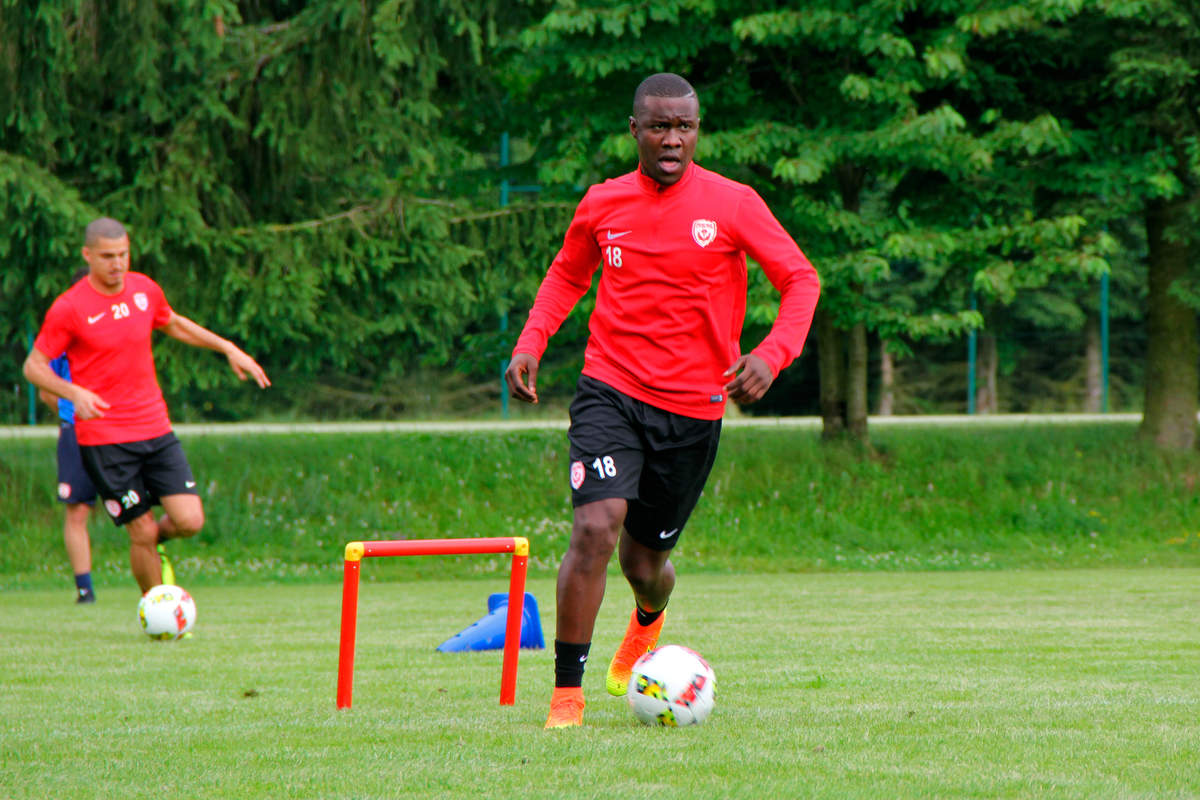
(246, 367)
(752, 381)
(521, 377)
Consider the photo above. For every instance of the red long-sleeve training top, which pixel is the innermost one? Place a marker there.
(672, 293)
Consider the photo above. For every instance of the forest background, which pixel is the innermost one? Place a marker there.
(365, 195)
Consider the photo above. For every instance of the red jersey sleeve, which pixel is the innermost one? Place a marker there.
(57, 329)
(162, 309)
(568, 279)
(790, 272)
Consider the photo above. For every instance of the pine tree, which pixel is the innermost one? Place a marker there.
(305, 177)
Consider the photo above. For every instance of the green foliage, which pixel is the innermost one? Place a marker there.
(284, 171)
(320, 182)
(863, 128)
(44, 219)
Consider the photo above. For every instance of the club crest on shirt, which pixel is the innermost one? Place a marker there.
(139, 300)
(704, 231)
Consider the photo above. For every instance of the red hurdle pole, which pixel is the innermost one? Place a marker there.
(512, 623)
(356, 551)
(345, 685)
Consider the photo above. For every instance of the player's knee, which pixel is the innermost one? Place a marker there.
(590, 550)
(643, 578)
(143, 531)
(595, 537)
(188, 523)
(596, 529)
(600, 520)
(649, 572)
(78, 513)
(595, 533)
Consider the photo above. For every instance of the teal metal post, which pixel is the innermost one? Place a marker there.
(503, 316)
(971, 346)
(1104, 343)
(505, 189)
(30, 386)
(503, 369)
(504, 163)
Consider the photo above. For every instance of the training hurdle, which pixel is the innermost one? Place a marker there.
(357, 551)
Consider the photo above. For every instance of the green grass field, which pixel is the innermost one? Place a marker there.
(1002, 684)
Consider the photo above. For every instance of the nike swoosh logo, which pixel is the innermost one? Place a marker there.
(612, 235)
(92, 320)
(189, 484)
(668, 534)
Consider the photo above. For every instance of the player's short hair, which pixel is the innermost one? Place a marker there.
(662, 84)
(103, 228)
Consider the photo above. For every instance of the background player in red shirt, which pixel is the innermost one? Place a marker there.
(104, 326)
(662, 358)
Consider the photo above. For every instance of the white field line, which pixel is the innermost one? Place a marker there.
(560, 423)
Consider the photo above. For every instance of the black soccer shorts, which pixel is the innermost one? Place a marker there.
(656, 460)
(74, 485)
(132, 476)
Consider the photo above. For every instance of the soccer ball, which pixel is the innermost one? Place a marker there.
(671, 686)
(166, 612)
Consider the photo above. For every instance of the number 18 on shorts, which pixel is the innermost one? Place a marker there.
(601, 474)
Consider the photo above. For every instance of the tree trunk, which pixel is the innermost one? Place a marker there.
(887, 381)
(985, 368)
(831, 369)
(844, 355)
(856, 382)
(1092, 356)
(843, 370)
(1172, 350)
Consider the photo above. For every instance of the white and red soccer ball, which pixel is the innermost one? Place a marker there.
(672, 686)
(166, 612)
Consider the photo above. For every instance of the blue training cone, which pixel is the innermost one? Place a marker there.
(488, 633)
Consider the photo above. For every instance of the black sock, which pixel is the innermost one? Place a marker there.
(645, 618)
(569, 661)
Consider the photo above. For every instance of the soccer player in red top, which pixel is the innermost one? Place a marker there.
(663, 356)
(103, 324)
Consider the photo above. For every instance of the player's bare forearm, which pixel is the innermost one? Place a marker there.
(191, 333)
(49, 399)
(185, 330)
(38, 372)
(88, 404)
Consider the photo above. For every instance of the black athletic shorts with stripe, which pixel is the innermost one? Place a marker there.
(131, 476)
(656, 460)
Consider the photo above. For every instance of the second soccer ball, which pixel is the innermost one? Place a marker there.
(166, 612)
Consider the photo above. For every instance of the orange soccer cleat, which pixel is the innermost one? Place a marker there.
(566, 707)
(638, 641)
